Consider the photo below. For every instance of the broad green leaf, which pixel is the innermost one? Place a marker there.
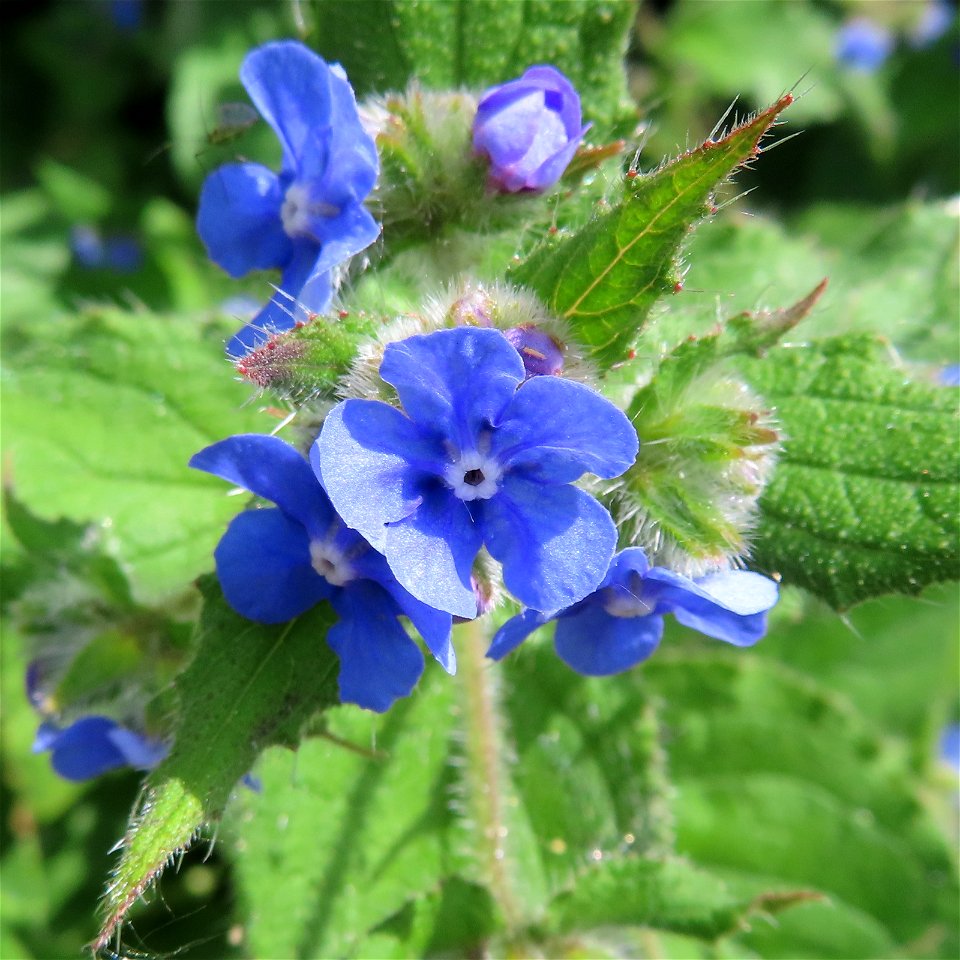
(896, 658)
(663, 894)
(249, 686)
(607, 276)
(101, 414)
(341, 839)
(863, 500)
(777, 826)
(478, 43)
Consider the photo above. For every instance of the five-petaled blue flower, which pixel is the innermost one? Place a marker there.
(530, 129)
(93, 745)
(620, 624)
(479, 457)
(274, 564)
(311, 217)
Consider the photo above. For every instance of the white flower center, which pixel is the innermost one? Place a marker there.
(299, 212)
(620, 602)
(330, 563)
(474, 476)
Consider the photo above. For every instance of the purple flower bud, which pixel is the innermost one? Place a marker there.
(530, 129)
(541, 354)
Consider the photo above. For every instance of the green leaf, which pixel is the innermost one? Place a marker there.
(606, 277)
(863, 500)
(782, 779)
(340, 839)
(249, 686)
(663, 894)
(126, 399)
(477, 43)
(776, 826)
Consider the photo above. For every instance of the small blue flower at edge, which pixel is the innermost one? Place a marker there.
(621, 624)
(274, 564)
(308, 219)
(93, 745)
(477, 457)
(529, 128)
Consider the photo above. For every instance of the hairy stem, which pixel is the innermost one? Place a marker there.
(486, 780)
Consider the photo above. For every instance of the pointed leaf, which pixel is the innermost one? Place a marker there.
(605, 278)
(249, 686)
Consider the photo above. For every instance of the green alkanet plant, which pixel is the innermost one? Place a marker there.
(502, 417)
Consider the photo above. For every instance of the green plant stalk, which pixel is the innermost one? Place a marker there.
(485, 779)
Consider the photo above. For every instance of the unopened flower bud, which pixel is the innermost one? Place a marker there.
(530, 129)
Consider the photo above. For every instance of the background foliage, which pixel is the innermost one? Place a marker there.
(784, 801)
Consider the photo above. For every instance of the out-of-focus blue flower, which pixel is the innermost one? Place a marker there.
(863, 44)
(274, 564)
(94, 745)
(950, 746)
(949, 376)
(530, 129)
(127, 15)
(92, 251)
(934, 22)
(308, 219)
(481, 456)
(620, 624)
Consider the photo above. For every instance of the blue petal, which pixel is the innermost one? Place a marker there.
(597, 645)
(344, 235)
(557, 430)
(728, 606)
(290, 86)
(373, 462)
(345, 165)
(303, 290)
(270, 468)
(239, 219)
(378, 661)
(456, 381)
(140, 752)
(263, 563)
(514, 632)
(431, 552)
(555, 542)
(433, 625)
(84, 749)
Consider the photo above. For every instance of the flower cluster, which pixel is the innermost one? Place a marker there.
(468, 444)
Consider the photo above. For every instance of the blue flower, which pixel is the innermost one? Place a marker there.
(309, 218)
(530, 129)
(950, 746)
(274, 564)
(94, 252)
(94, 745)
(620, 624)
(863, 44)
(479, 457)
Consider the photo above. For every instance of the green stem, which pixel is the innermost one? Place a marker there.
(486, 780)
